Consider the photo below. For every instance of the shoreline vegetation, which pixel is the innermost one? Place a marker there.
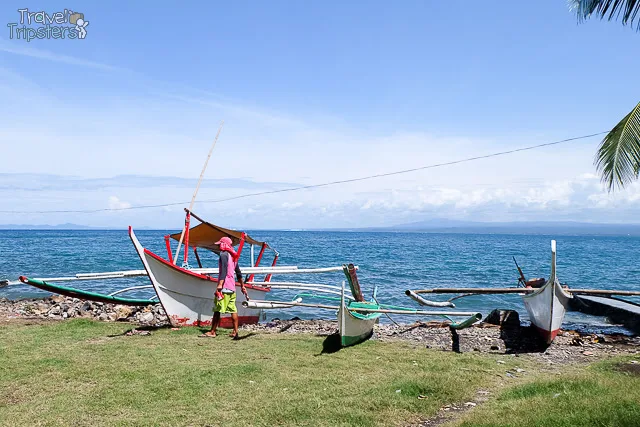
(133, 370)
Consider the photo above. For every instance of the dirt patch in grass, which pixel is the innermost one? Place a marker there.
(599, 394)
(10, 397)
(630, 368)
(25, 321)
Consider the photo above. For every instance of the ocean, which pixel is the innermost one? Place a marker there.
(392, 261)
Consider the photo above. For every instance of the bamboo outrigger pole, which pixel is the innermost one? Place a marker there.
(195, 193)
(603, 292)
(295, 303)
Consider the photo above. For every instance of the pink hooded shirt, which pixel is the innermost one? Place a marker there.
(231, 261)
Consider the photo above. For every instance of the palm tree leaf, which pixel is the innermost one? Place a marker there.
(618, 157)
(610, 9)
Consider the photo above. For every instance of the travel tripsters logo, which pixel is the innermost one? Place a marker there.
(42, 25)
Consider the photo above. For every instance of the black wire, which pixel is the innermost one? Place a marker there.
(325, 184)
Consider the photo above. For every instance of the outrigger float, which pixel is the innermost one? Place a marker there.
(356, 316)
(546, 301)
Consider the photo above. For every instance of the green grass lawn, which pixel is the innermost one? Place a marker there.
(603, 394)
(82, 372)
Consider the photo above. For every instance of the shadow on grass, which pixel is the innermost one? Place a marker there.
(141, 330)
(331, 344)
(226, 335)
(523, 340)
(244, 337)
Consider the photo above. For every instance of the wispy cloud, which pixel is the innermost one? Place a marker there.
(116, 203)
(181, 92)
(32, 52)
(50, 182)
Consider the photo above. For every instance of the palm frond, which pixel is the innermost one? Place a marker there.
(618, 157)
(610, 9)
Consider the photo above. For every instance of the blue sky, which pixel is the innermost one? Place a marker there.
(313, 92)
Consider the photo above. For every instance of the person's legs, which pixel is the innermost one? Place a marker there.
(215, 321)
(231, 308)
(234, 318)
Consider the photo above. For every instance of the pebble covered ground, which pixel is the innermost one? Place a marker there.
(510, 338)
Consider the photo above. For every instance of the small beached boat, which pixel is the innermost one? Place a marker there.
(545, 304)
(356, 316)
(548, 304)
(187, 296)
(546, 301)
(355, 326)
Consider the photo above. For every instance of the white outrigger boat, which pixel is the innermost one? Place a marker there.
(548, 304)
(356, 316)
(546, 301)
(185, 293)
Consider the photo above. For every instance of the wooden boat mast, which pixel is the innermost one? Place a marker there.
(185, 230)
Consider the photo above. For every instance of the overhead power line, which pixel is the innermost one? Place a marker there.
(325, 184)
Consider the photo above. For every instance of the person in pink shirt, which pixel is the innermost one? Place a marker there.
(225, 295)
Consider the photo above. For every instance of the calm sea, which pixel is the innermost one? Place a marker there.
(393, 262)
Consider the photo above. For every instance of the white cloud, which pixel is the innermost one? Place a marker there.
(166, 136)
(115, 203)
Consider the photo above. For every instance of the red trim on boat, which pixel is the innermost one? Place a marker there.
(273, 264)
(168, 244)
(241, 244)
(225, 321)
(187, 221)
(197, 275)
(548, 336)
(264, 246)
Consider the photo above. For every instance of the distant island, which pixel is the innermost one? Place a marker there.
(528, 227)
(428, 226)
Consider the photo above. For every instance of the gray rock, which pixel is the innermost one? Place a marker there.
(85, 308)
(504, 318)
(123, 312)
(147, 318)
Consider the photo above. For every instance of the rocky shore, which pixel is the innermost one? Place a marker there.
(59, 308)
(501, 333)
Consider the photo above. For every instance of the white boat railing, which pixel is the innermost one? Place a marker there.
(132, 288)
(297, 303)
(107, 275)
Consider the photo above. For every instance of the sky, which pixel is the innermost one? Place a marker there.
(312, 92)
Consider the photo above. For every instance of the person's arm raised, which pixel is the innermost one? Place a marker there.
(242, 288)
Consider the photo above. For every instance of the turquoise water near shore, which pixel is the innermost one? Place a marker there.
(392, 261)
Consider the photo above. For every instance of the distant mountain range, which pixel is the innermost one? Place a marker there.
(431, 226)
(66, 226)
(532, 227)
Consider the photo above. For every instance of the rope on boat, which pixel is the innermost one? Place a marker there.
(386, 314)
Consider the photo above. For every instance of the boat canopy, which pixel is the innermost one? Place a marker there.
(205, 235)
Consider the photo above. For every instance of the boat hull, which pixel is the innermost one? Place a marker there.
(188, 297)
(547, 307)
(354, 327)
